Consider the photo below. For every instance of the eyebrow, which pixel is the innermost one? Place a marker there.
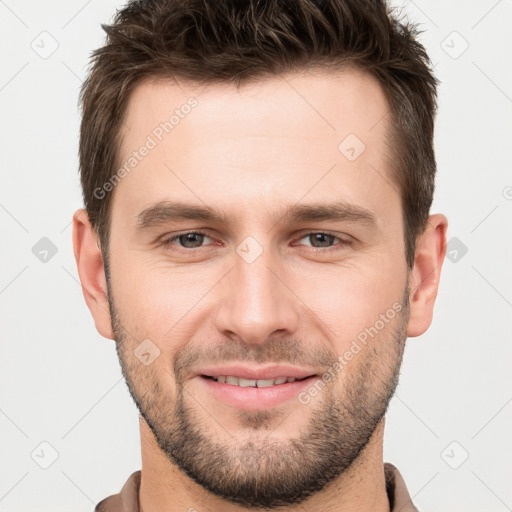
(172, 211)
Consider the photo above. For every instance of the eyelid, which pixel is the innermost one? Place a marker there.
(166, 241)
(342, 240)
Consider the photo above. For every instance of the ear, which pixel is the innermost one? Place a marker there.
(92, 272)
(425, 275)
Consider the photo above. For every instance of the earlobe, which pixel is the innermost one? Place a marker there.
(426, 273)
(91, 272)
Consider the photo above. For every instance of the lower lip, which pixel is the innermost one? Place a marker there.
(253, 398)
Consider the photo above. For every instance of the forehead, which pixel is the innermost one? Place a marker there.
(278, 138)
(330, 102)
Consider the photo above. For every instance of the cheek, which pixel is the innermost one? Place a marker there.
(164, 302)
(156, 301)
(346, 301)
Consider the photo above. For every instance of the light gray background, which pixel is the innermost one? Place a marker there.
(60, 380)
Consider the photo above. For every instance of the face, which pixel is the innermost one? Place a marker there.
(259, 236)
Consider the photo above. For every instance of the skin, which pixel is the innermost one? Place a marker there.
(251, 153)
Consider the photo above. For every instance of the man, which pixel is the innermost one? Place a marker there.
(256, 239)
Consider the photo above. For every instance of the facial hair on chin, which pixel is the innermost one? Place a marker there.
(263, 472)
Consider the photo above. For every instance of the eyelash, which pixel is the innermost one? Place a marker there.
(166, 244)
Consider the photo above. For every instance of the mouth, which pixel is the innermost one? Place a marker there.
(255, 389)
(253, 383)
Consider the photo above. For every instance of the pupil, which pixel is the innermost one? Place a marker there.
(189, 238)
(317, 238)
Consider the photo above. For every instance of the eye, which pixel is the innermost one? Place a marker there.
(188, 240)
(323, 240)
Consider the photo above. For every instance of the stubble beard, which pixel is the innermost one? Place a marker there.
(263, 471)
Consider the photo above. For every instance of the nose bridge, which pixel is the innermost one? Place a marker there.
(255, 301)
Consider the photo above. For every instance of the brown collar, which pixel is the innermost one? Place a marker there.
(128, 499)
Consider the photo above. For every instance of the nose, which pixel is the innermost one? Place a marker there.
(256, 301)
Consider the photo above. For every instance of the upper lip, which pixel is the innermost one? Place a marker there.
(256, 373)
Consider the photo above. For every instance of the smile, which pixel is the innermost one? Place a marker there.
(245, 383)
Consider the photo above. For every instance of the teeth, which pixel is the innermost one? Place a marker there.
(245, 383)
(264, 383)
(261, 383)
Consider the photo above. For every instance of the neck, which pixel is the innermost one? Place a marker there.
(164, 486)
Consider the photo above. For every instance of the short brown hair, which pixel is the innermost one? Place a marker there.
(232, 41)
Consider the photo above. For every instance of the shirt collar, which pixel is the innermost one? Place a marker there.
(128, 499)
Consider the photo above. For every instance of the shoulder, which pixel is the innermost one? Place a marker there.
(398, 495)
(126, 501)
